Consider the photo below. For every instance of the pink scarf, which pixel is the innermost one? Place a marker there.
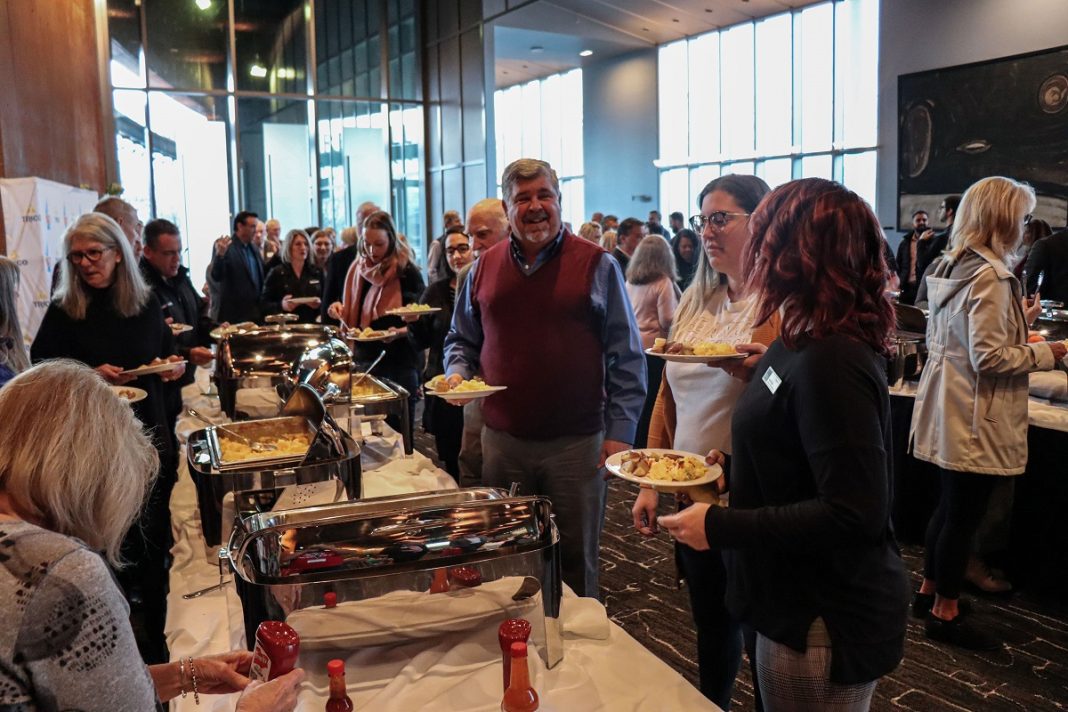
(383, 294)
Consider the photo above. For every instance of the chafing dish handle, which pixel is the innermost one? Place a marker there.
(285, 478)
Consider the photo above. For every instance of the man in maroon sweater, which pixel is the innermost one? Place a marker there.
(546, 314)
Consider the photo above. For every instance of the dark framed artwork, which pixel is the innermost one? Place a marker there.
(1006, 116)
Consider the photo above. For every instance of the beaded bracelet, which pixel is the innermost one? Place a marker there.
(193, 674)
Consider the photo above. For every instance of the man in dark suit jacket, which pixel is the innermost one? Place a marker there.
(238, 268)
(1049, 259)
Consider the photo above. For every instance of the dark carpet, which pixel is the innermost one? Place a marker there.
(1030, 673)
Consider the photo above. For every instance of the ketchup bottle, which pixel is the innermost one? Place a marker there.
(277, 648)
(339, 700)
(520, 696)
(513, 630)
(440, 582)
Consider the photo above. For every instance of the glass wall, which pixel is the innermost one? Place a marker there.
(297, 110)
(552, 132)
(788, 96)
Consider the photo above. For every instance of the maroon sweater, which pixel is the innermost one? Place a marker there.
(541, 339)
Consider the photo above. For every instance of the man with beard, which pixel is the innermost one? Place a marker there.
(546, 314)
(912, 257)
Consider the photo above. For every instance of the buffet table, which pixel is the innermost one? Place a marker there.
(460, 671)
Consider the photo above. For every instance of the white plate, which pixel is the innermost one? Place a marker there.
(367, 340)
(129, 393)
(221, 331)
(180, 328)
(464, 395)
(693, 358)
(303, 300)
(151, 368)
(405, 311)
(614, 462)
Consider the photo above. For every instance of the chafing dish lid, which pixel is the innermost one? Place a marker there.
(269, 351)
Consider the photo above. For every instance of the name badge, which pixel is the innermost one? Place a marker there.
(313, 281)
(771, 379)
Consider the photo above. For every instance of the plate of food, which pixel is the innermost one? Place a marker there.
(177, 328)
(694, 352)
(369, 334)
(221, 331)
(129, 393)
(150, 368)
(662, 469)
(465, 390)
(303, 300)
(413, 310)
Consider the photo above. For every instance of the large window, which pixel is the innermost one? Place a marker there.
(789, 96)
(297, 110)
(543, 119)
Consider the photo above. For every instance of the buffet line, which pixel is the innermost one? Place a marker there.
(309, 531)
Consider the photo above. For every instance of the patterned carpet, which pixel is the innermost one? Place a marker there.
(1030, 674)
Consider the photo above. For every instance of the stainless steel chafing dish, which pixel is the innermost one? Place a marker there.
(381, 558)
(331, 455)
(1052, 324)
(262, 358)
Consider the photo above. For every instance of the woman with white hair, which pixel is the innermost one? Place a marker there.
(12, 349)
(297, 278)
(66, 642)
(970, 416)
(104, 315)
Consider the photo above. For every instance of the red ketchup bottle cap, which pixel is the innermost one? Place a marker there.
(335, 668)
(519, 650)
(329, 599)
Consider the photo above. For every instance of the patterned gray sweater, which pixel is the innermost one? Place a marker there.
(65, 641)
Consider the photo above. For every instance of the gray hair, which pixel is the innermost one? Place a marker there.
(13, 354)
(287, 246)
(129, 293)
(651, 261)
(349, 236)
(92, 491)
(526, 169)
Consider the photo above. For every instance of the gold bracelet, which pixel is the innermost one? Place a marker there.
(181, 676)
(193, 674)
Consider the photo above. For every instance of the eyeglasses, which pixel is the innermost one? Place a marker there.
(92, 255)
(462, 249)
(1028, 218)
(719, 219)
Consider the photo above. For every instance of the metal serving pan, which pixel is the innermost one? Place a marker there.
(264, 431)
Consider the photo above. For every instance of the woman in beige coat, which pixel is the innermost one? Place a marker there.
(970, 417)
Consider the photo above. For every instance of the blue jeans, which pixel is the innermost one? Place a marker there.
(564, 470)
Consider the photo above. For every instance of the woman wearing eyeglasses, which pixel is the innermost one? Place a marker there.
(104, 315)
(695, 402)
(445, 421)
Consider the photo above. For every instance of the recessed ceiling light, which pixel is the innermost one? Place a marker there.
(586, 53)
(258, 70)
(204, 4)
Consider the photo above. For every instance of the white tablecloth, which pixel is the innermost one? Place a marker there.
(603, 667)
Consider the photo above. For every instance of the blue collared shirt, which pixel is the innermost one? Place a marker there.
(624, 362)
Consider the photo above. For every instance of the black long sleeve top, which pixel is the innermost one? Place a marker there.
(430, 331)
(808, 530)
(283, 280)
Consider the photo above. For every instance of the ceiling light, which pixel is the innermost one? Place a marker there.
(203, 4)
(586, 53)
(258, 70)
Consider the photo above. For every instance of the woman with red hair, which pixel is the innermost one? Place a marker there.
(813, 566)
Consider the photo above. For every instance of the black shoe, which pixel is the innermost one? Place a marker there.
(922, 603)
(960, 633)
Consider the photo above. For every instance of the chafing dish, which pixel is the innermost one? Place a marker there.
(262, 358)
(382, 557)
(908, 359)
(1052, 324)
(331, 455)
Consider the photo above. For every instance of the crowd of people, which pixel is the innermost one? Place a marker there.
(802, 569)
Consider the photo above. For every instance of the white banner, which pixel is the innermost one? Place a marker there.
(37, 213)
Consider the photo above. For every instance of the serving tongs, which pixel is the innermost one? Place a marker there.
(254, 445)
(369, 368)
(305, 401)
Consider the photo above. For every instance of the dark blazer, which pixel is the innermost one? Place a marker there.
(337, 268)
(181, 302)
(1049, 257)
(239, 290)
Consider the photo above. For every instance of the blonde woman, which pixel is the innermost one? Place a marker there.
(653, 296)
(66, 642)
(608, 240)
(105, 316)
(591, 231)
(297, 277)
(970, 416)
(13, 357)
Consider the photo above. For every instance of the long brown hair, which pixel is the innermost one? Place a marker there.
(817, 253)
(12, 346)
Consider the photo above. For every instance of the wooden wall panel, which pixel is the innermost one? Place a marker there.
(51, 122)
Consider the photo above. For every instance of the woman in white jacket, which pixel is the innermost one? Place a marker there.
(970, 417)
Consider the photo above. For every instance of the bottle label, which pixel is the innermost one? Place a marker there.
(261, 664)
